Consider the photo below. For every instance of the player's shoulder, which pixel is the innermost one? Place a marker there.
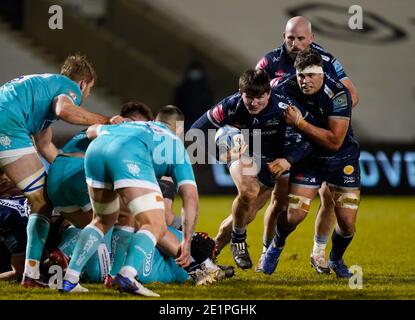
(282, 98)
(336, 92)
(64, 80)
(325, 55)
(287, 83)
(333, 83)
(231, 102)
(275, 54)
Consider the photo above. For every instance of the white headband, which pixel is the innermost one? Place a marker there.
(311, 69)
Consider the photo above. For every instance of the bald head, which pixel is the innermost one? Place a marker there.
(298, 23)
(298, 35)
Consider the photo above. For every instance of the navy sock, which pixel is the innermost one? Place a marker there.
(282, 234)
(339, 245)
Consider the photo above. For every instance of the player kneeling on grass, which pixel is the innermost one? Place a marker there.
(163, 268)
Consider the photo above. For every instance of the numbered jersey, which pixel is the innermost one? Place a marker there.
(29, 98)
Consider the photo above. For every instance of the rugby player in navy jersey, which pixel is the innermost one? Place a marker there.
(254, 107)
(336, 161)
(14, 214)
(279, 64)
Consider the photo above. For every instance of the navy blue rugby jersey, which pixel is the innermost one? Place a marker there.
(277, 138)
(278, 64)
(332, 100)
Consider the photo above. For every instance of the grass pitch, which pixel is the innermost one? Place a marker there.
(384, 247)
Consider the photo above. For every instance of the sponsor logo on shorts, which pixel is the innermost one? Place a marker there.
(305, 179)
(5, 141)
(348, 170)
(348, 180)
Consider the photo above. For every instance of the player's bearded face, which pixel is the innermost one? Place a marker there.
(297, 41)
(310, 83)
(255, 104)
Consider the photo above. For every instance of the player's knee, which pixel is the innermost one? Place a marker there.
(294, 217)
(297, 209)
(249, 193)
(298, 203)
(33, 189)
(156, 226)
(347, 227)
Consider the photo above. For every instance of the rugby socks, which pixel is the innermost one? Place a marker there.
(238, 234)
(320, 243)
(37, 232)
(140, 254)
(68, 241)
(339, 245)
(281, 236)
(89, 239)
(265, 243)
(120, 241)
(98, 265)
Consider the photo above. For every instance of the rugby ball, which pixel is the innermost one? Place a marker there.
(229, 137)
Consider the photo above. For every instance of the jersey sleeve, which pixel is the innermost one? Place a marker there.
(341, 105)
(71, 90)
(265, 63)
(338, 69)
(219, 114)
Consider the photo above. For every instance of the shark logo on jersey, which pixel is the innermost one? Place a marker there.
(5, 141)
